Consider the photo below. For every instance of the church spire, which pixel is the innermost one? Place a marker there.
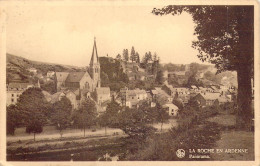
(94, 57)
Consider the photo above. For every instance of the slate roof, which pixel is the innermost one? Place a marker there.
(61, 76)
(19, 85)
(75, 76)
(56, 96)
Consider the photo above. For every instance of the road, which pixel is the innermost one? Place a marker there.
(49, 132)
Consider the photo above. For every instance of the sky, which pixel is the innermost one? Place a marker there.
(65, 34)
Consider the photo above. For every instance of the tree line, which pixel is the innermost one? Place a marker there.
(33, 112)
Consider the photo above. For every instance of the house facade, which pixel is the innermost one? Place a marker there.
(172, 109)
(103, 94)
(14, 90)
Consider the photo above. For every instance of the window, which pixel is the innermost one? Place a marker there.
(12, 95)
(12, 100)
(17, 95)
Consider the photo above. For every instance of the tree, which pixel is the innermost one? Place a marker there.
(49, 87)
(86, 115)
(110, 117)
(61, 115)
(155, 57)
(137, 57)
(162, 115)
(225, 38)
(118, 57)
(132, 56)
(125, 55)
(134, 122)
(12, 119)
(159, 77)
(34, 110)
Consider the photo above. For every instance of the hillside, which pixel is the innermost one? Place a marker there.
(200, 75)
(17, 68)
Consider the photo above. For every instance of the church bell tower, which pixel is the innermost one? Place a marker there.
(94, 67)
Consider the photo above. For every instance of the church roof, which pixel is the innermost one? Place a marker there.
(75, 76)
(94, 57)
(61, 76)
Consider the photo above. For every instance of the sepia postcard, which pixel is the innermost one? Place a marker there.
(129, 83)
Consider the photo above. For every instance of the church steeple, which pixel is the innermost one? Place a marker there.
(94, 67)
(94, 57)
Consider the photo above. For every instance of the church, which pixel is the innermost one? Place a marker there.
(81, 81)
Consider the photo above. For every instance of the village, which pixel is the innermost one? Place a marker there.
(78, 85)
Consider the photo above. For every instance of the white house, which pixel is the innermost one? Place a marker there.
(32, 70)
(14, 90)
(172, 109)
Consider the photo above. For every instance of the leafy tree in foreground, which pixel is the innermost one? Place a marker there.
(34, 110)
(162, 115)
(61, 115)
(86, 115)
(12, 119)
(110, 117)
(225, 38)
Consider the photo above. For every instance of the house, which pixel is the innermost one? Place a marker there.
(133, 98)
(103, 94)
(32, 70)
(199, 99)
(50, 74)
(14, 90)
(178, 91)
(161, 96)
(58, 96)
(207, 99)
(194, 89)
(211, 98)
(172, 109)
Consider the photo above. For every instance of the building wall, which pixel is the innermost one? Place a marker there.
(12, 97)
(86, 79)
(103, 97)
(72, 97)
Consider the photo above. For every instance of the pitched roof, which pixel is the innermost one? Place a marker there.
(47, 95)
(170, 105)
(193, 87)
(19, 85)
(75, 76)
(94, 57)
(56, 96)
(210, 96)
(61, 76)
